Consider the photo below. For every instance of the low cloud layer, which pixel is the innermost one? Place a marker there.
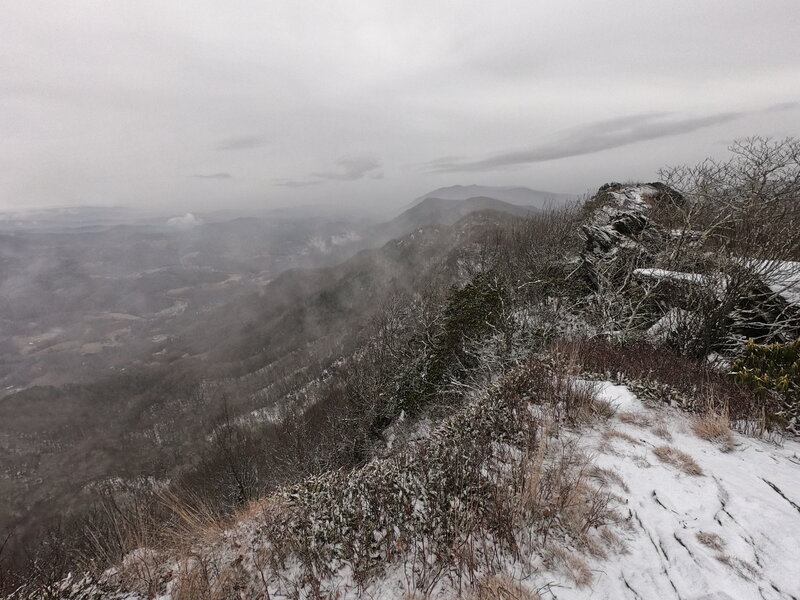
(187, 221)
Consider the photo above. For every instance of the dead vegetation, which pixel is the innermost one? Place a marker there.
(714, 427)
(662, 431)
(613, 434)
(608, 477)
(500, 587)
(609, 436)
(573, 565)
(635, 418)
(678, 459)
(489, 481)
(711, 540)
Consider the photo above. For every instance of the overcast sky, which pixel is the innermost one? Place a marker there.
(199, 105)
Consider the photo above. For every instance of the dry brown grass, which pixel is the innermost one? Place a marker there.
(603, 409)
(679, 459)
(711, 540)
(608, 477)
(714, 427)
(635, 418)
(609, 436)
(576, 402)
(143, 571)
(196, 580)
(191, 583)
(743, 568)
(557, 491)
(500, 587)
(566, 497)
(573, 565)
(147, 569)
(613, 434)
(261, 509)
(661, 431)
(193, 520)
(612, 541)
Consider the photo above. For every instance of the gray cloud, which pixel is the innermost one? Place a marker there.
(296, 183)
(105, 107)
(590, 139)
(782, 106)
(213, 176)
(244, 142)
(350, 169)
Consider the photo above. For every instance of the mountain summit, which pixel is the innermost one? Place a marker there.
(522, 196)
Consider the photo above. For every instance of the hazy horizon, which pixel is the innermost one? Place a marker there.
(202, 107)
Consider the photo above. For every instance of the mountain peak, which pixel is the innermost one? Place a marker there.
(519, 195)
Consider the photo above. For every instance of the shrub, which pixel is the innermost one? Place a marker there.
(431, 496)
(470, 312)
(461, 494)
(773, 369)
(661, 374)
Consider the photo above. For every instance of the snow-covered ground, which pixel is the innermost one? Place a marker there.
(732, 532)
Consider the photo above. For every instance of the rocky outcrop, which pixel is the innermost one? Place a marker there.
(618, 219)
(629, 250)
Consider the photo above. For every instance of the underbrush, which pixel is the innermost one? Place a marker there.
(469, 313)
(661, 375)
(453, 506)
(501, 481)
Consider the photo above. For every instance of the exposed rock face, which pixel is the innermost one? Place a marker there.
(617, 219)
(619, 211)
(630, 251)
(622, 212)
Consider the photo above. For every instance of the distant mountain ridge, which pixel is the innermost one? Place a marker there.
(427, 212)
(435, 210)
(519, 195)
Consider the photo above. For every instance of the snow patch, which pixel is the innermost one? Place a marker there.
(619, 396)
(669, 323)
(671, 275)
